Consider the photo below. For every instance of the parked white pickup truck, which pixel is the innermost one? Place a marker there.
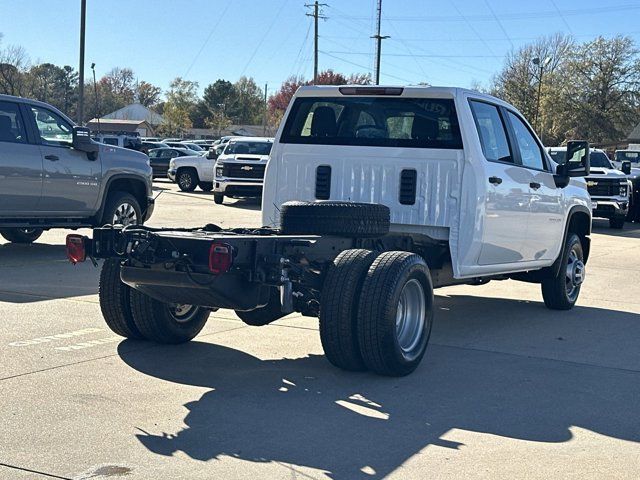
(239, 170)
(608, 187)
(192, 171)
(373, 197)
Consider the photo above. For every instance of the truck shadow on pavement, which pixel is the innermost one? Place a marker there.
(302, 412)
(41, 271)
(630, 230)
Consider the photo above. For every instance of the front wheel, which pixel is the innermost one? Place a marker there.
(122, 209)
(21, 235)
(218, 198)
(395, 313)
(187, 180)
(561, 292)
(206, 186)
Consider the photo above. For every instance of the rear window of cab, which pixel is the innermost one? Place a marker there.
(373, 121)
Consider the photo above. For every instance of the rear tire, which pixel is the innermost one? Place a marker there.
(115, 302)
(187, 179)
(339, 308)
(395, 313)
(165, 323)
(218, 198)
(21, 235)
(259, 317)
(561, 292)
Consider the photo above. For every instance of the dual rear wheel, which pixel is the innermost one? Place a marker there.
(135, 315)
(376, 311)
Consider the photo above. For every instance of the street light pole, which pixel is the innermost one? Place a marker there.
(83, 14)
(541, 64)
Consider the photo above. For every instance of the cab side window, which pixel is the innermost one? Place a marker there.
(11, 126)
(54, 130)
(493, 136)
(530, 151)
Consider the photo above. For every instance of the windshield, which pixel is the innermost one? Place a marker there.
(627, 156)
(596, 159)
(599, 160)
(374, 121)
(248, 148)
(193, 146)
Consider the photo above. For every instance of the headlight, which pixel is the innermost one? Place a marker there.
(623, 190)
(219, 170)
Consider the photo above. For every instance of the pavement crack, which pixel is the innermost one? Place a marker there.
(37, 472)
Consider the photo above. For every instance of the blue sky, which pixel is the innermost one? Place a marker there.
(445, 42)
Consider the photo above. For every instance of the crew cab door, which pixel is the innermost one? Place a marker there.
(71, 180)
(545, 227)
(20, 164)
(505, 210)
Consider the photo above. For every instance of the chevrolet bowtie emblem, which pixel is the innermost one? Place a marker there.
(591, 184)
(246, 167)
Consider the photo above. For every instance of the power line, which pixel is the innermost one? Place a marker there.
(255, 50)
(512, 16)
(362, 66)
(213, 29)
(419, 55)
(471, 27)
(566, 24)
(486, 2)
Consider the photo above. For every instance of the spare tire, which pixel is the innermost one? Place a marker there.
(334, 218)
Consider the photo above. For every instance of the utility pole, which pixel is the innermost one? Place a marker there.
(379, 39)
(317, 14)
(83, 14)
(264, 117)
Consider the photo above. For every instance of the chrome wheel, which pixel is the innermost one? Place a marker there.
(125, 215)
(410, 316)
(575, 273)
(185, 181)
(182, 312)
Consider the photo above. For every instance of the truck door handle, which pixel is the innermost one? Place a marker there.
(495, 180)
(53, 158)
(534, 185)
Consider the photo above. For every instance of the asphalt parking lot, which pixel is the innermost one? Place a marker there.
(508, 389)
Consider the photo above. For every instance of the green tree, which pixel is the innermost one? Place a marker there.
(249, 107)
(181, 99)
(147, 94)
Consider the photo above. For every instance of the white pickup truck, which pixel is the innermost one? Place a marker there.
(192, 171)
(373, 197)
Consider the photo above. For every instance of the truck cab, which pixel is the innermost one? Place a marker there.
(451, 164)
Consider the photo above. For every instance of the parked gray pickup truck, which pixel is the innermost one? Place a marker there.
(53, 175)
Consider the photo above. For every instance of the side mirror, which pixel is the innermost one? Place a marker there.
(626, 167)
(577, 162)
(211, 154)
(82, 140)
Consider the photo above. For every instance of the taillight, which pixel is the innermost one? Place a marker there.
(220, 258)
(75, 248)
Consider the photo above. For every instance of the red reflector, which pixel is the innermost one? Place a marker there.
(220, 258)
(75, 248)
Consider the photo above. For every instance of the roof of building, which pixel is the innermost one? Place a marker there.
(116, 125)
(136, 111)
